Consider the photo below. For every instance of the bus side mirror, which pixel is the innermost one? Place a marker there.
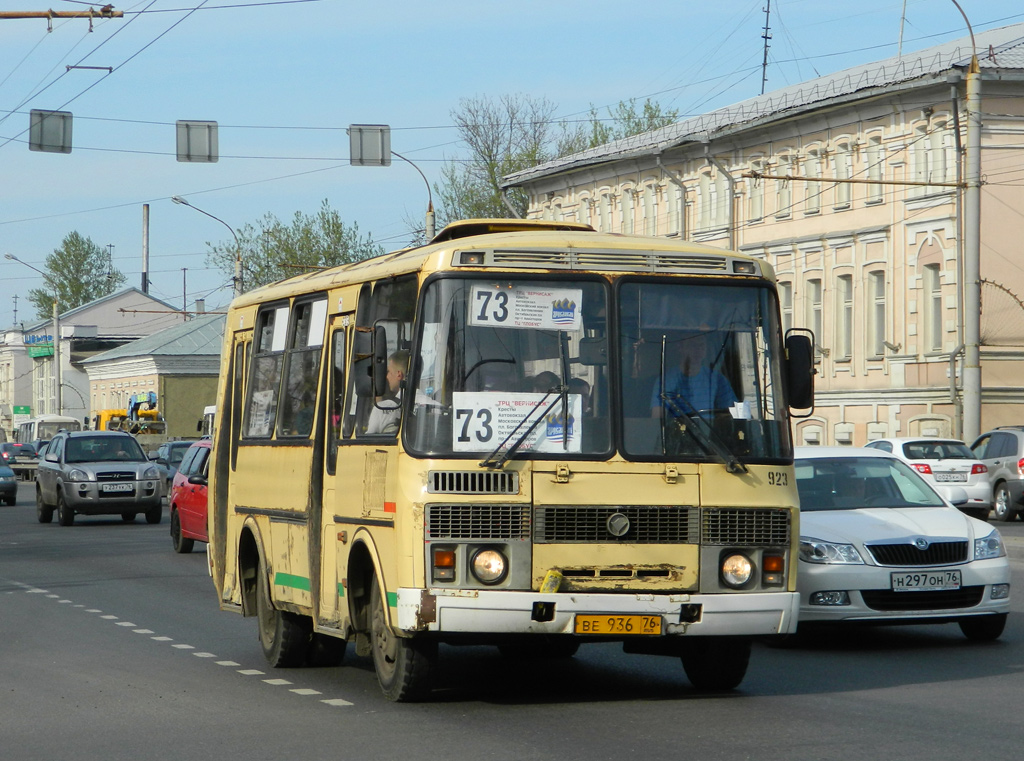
(800, 369)
(370, 363)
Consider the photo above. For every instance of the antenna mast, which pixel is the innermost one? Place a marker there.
(766, 36)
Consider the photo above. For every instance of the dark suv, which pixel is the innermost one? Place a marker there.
(1002, 451)
(96, 473)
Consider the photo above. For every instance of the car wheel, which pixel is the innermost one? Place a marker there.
(181, 544)
(65, 515)
(1002, 508)
(983, 628)
(127, 517)
(403, 664)
(44, 513)
(155, 514)
(284, 636)
(716, 664)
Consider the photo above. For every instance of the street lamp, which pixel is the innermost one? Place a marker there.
(238, 247)
(56, 333)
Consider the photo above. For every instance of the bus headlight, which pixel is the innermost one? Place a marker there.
(489, 566)
(737, 570)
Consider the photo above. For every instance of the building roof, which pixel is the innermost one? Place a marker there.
(201, 337)
(144, 299)
(1001, 49)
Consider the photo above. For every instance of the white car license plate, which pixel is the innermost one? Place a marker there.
(116, 487)
(925, 581)
(948, 477)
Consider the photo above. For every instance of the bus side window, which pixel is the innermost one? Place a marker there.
(305, 344)
(267, 362)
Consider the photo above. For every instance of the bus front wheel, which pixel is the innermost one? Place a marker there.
(403, 664)
(716, 664)
(284, 637)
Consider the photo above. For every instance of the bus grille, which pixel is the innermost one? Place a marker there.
(647, 524)
(478, 522)
(937, 553)
(472, 482)
(744, 527)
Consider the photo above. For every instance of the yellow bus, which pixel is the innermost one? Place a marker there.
(486, 440)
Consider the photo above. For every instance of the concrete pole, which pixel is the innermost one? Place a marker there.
(56, 354)
(145, 248)
(972, 257)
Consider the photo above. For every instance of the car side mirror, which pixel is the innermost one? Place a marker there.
(51, 457)
(198, 479)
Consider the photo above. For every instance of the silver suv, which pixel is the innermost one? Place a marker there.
(96, 473)
(1002, 451)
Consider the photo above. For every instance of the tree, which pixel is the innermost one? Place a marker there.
(272, 250)
(78, 272)
(517, 132)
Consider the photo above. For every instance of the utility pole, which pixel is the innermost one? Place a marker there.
(766, 36)
(107, 11)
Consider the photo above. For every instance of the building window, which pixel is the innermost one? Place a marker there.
(707, 201)
(876, 313)
(844, 171)
(786, 305)
(584, 211)
(783, 189)
(650, 210)
(844, 317)
(723, 198)
(919, 159)
(626, 210)
(940, 153)
(933, 307)
(812, 188)
(605, 213)
(755, 192)
(813, 305)
(876, 168)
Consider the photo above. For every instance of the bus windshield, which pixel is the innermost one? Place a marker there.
(525, 367)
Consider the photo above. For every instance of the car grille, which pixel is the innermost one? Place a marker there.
(884, 599)
(906, 554)
(120, 475)
(648, 524)
(478, 522)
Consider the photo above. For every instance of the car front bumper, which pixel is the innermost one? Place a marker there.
(87, 497)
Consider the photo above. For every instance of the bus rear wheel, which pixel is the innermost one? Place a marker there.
(284, 636)
(716, 664)
(403, 664)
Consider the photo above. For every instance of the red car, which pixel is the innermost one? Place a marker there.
(187, 500)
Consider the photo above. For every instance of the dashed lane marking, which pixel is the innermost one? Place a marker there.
(301, 691)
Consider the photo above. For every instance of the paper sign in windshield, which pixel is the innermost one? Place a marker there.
(483, 420)
(526, 307)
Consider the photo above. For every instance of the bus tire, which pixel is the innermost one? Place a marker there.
(403, 664)
(716, 664)
(284, 637)
(65, 515)
(181, 544)
(44, 513)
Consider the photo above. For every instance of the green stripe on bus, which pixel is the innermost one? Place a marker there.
(341, 590)
(289, 580)
(392, 599)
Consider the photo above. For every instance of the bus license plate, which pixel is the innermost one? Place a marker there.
(116, 487)
(590, 624)
(925, 581)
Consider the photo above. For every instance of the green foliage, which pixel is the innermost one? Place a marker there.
(517, 132)
(78, 272)
(272, 250)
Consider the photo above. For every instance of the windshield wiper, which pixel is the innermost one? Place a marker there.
(492, 460)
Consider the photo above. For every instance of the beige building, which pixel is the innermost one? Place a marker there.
(874, 268)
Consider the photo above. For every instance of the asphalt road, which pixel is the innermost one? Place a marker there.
(112, 647)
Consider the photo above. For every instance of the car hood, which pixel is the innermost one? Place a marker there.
(871, 525)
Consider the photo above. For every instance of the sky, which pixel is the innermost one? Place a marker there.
(284, 79)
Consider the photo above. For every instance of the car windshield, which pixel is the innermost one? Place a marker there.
(104, 449)
(937, 450)
(852, 483)
(176, 454)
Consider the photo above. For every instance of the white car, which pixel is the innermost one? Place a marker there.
(879, 545)
(945, 462)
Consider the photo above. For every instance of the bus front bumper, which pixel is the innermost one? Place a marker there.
(502, 612)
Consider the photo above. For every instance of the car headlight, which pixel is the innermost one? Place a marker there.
(489, 566)
(737, 570)
(989, 547)
(817, 551)
(78, 475)
(151, 472)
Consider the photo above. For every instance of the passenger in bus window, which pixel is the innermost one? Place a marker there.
(581, 387)
(302, 419)
(386, 411)
(691, 384)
